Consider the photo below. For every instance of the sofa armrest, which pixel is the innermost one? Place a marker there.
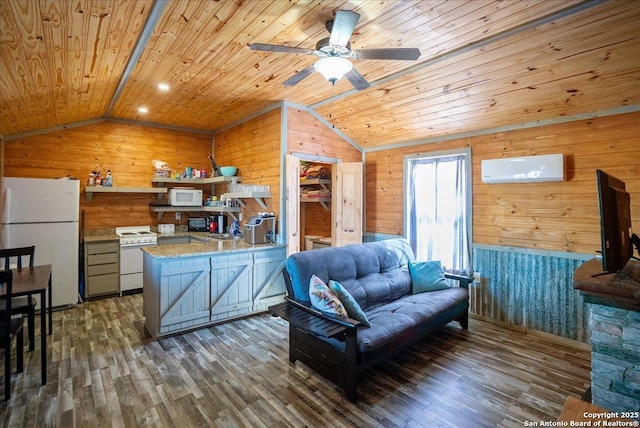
(346, 322)
(309, 319)
(463, 278)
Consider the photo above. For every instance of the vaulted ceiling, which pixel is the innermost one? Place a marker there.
(483, 64)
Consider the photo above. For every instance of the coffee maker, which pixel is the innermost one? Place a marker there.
(261, 229)
(217, 223)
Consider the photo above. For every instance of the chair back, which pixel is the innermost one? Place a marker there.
(8, 253)
(6, 282)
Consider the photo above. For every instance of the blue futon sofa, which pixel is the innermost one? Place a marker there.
(377, 277)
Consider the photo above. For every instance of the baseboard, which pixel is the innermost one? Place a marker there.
(525, 330)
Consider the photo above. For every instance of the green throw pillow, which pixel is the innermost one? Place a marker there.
(353, 308)
(427, 276)
(323, 299)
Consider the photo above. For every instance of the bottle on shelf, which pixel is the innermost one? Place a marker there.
(109, 179)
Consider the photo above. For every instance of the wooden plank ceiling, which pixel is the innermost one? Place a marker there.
(483, 64)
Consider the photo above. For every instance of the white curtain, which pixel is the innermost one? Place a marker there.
(437, 210)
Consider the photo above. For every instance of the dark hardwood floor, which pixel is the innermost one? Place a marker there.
(104, 370)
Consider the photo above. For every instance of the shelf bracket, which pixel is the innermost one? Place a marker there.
(261, 202)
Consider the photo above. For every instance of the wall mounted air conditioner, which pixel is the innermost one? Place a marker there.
(527, 169)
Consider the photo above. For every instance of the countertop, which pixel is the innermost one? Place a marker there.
(107, 237)
(205, 245)
(211, 247)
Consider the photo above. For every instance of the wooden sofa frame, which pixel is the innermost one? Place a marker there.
(329, 345)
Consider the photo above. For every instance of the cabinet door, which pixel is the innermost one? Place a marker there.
(101, 268)
(184, 294)
(268, 282)
(231, 290)
(346, 212)
(292, 223)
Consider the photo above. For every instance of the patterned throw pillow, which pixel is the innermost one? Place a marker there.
(427, 276)
(353, 308)
(323, 299)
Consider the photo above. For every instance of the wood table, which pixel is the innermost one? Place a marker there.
(27, 282)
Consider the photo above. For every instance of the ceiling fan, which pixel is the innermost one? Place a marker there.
(333, 52)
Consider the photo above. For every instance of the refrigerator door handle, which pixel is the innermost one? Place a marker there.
(5, 207)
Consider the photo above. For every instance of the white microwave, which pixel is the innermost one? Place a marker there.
(185, 197)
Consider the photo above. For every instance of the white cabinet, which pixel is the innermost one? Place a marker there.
(231, 285)
(179, 297)
(182, 293)
(268, 282)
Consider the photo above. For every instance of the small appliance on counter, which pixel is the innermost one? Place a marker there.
(198, 224)
(167, 229)
(221, 223)
(261, 229)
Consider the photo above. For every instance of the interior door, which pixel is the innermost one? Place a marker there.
(346, 209)
(293, 204)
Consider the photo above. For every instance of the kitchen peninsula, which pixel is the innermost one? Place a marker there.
(208, 280)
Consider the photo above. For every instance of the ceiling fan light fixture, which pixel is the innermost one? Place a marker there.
(333, 68)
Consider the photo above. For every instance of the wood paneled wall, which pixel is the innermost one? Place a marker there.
(126, 149)
(308, 135)
(559, 216)
(254, 147)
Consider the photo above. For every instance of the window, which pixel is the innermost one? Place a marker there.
(438, 207)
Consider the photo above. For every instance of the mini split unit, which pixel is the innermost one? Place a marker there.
(527, 169)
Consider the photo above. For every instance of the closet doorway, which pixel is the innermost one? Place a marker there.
(324, 200)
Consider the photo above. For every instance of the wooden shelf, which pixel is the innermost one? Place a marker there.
(227, 210)
(324, 183)
(210, 180)
(90, 190)
(258, 196)
(322, 201)
(159, 189)
(310, 181)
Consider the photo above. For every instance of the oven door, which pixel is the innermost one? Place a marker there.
(131, 266)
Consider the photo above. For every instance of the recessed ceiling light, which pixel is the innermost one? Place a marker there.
(143, 110)
(163, 86)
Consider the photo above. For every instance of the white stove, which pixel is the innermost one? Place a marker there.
(132, 239)
(136, 235)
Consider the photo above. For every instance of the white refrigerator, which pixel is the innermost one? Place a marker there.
(44, 213)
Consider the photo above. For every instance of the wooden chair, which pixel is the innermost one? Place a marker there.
(23, 305)
(10, 329)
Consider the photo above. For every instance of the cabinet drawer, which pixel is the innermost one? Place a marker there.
(103, 284)
(102, 247)
(102, 269)
(102, 259)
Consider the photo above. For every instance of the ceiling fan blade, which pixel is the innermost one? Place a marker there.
(408, 54)
(296, 78)
(357, 80)
(343, 26)
(279, 48)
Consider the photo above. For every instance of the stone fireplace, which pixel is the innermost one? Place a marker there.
(615, 357)
(614, 322)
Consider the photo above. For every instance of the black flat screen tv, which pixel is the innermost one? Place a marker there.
(615, 222)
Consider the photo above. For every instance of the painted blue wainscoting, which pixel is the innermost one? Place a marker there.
(530, 288)
(373, 237)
